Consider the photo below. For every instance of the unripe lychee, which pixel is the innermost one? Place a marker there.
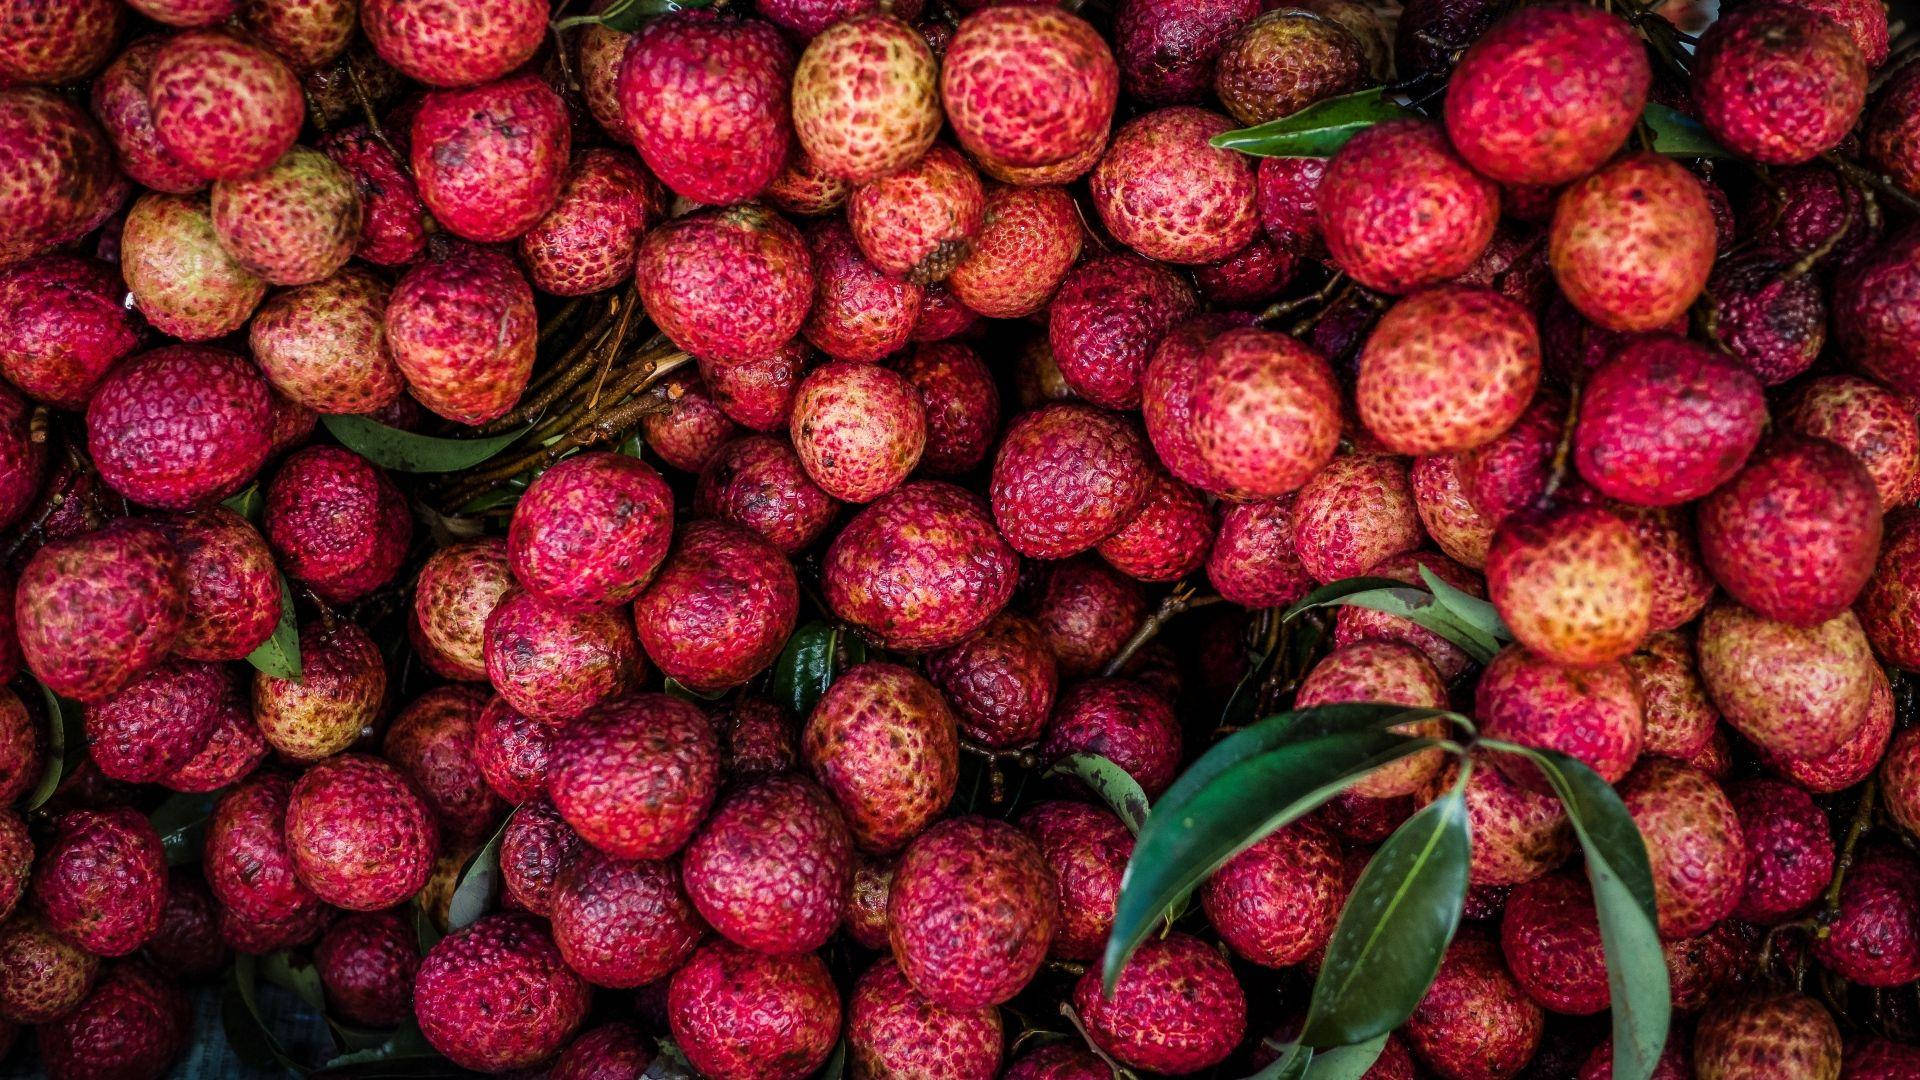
(342, 684)
(183, 282)
(293, 223)
(42, 975)
(1572, 584)
(1766, 1036)
(456, 590)
(1447, 369)
(866, 97)
(1277, 65)
(325, 345)
(1680, 719)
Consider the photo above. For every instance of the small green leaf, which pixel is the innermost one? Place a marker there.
(1115, 786)
(630, 14)
(1292, 1064)
(280, 969)
(66, 745)
(181, 822)
(279, 655)
(1468, 610)
(404, 451)
(246, 1032)
(405, 1053)
(1317, 130)
(1622, 879)
(478, 884)
(1679, 135)
(1347, 1062)
(806, 667)
(684, 692)
(1395, 927)
(1416, 605)
(248, 503)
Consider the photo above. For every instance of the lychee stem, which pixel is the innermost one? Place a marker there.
(1120, 1072)
(1181, 599)
(1862, 819)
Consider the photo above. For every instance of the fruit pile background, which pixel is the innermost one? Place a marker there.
(601, 540)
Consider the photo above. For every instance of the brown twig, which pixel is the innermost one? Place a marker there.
(1284, 308)
(1181, 599)
(1862, 819)
(1563, 450)
(373, 119)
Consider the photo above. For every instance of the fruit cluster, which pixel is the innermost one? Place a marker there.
(764, 447)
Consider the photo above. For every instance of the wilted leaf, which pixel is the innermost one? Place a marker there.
(405, 451)
(1317, 130)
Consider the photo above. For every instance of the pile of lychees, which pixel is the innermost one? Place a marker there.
(941, 332)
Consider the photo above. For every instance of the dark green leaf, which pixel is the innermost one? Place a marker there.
(1317, 130)
(280, 969)
(1622, 879)
(279, 655)
(1679, 135)
(405, 451)
(406, 1050)
(181, 822)
(1290, 1065)
(1115, 786)
(1346, 1062)
(66, 745)
(670, 1064)
(246, 1032)
(629, 14)
(684, 692)
(805, 667)
(248, 503)
(1395, 927)
(478, 883)
(1412, 603)
(836, 1066)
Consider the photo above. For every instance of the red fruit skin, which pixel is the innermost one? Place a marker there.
(1353, 624)
(1813, 204)
(866, 908)
(1889, 603)
(858, 429)
(342, 686)
(1029, 86)
(63, 323)
(306, 33)
(611, 1051)
(721, 608)
(336, 522)
(770, 870)
(1253, 562)
(511, 751)
(971, 912)
(46, 976)
(919, 221)
(1001, 681)
(860, 314)
(1873, 311)
(705, 100)
(232, 589)
(1510, 472)
(1693, 841)
(586, 243)
(757, 394)
(1666, 421)
(1870, 421)
(1086, 612)
(1794, 692)
(95, 611)
(456, 590)
(1773, 322)
(1547, 94)
(463, 329)
(757, 483)
(741, 1015)
(730, 285)
(133, 1023)
(259, 938)
(1163, 190)
(188, 941)
(1590, 713)
(1257, 272)
(1780, 84)
(961, 403)
(1059, 1061)
(635, 777)
(1176, 1007)
(432, 742)
(294, 223)
(361, 835)
(591, 531)
(1399, 210)
(921, 568)
(233, 751)
(1122, 721)
(1875, 936)
(1673, 1063)
(1107, 321)
(1276, 902)
(1794, 536)
(444, 44)
(494, 995)
(1266, 412)
(1474, 1023)
(1355, 512)
(622, 922)
(153, 726)
(882, 741)
(224, 108)
(691, 429)
(325, 344)
(536, 847)
(1067, 476)
(1086, 849)
(366, 964)
(16, 861)
(758, 739)
(1680, 720)
(864, 101)
(1029, 239)
(1633, 244)
(1789, 850)
(395, 225)
(1168, 537)
(894, 1032)
(180, 426)
(101, 882)
(1550, 938)
(23, 455)
(490, 160)
(1383, 671)
(555, 665)
(1168, 50)
(61, 182)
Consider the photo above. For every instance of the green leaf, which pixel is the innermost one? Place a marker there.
(66, 745)
(1679, 135)
(246, 1032)
(248, 503)
(1317, 130)
(1395, 927)
(279, 655)
(670, 1064)
(806, 667)
(1468, 610)
(424, 931)
(404, 451)
(478, 884)
(1290, 1065)
(1347, 1062)
(1459, 621)
(1115, 786)
(1622, 880)
(280, 969)
(405, 1052)
(684, 692)
(181, 822)
(629, 14)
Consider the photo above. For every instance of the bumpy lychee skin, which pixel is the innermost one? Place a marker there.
(448, 44)
(223, 107)
(1253, 562)
(366, 964)
(1029, 238)
(16, 861)
(705, 100)
(918, 222)
(1001, 681)
(1572, 584)
(536, 846)
(395, 226)
(1277, 65)
(61, 179)
(770, 869)
(188, 942)
(635, 777)
(1400, 210)
(971, 912)
(893, 1031)
(1086, 848)
(1266, 411)
(1771, 320)
(1353, 624)
(133, 1023)
(587, 241)
(1550, 938)
(101, 882)
(494, 995)
(866, 907)
(22, 751)
(1796, 692)
(23, 456)
(1872, 311)
(1510, 472)
(1870, 421)
(553, 665)
(183, 282)
(961, 402)
(1107, 321)
(1163, 190)
(1632, 245)
(431, 740)
(245, 858)
(690, 430)
(720, 609)
(1176, 1007)
(883, 742)
(325, 345)
(1123, 721)
(622, 922)
(1681, 584)
(860, 314)
(305, 33)
(591, 531)
(741, 1015)
(1086, 611)
(1874, 939)
(65, 324)
(728, 285)
(1474, 1023)
(455, 592)
(1766, 1035)
(1447, 369)
(361, 835)
(462, 329)
(56, 42)
(1059, 1061)
(95, 611)
(1794, 536)
(1780, 84)
(1808, 206)
(1547, 94)
(1168, 51)
(1353, 514)
(336, 522)
(42, 975)
(342, 685)
(490, 160)
(1789, 849)
(1522, 835)
(922, 568)
(1275, 903)
(1067, 476)
(1029, 86)
(180, 426)
(153, 726)
(758, 483)
(1680, 719)
(1693, 841)
(1383, 671)
(866, 97)
(757, 394)
(858, 429)
(511, 751)
(1590, 713)
(1666, 421)
(617, 1048)
(1167, 538)
(235, 748)
(295, 222)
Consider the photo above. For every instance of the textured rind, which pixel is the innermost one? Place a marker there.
(1632, 245)
(1447, 369)
(591, 531)
(1029, 239)
(808, 17)
(961, 403)
(1252, 562)
(361, 835)
(1107, 321)
(101, 882)
(1122, 721)
(1086, 849)
(490, 160)
(234, 750)
(462, 329)
(1519, 835)
(1167, 538)
(919, 220)
(396, 225)
(1168, 49)
(366, 964)
(1889, 608)
(22, 748)
(757, 483)
(183, 282)
(133, 1023)
(1066, 477)
(1874, 311)
(971, 912)
(1029, 86)
(1001, 681)
(245, 857)
(536, 846)
(336, 522)
(154, 725)
(1693, 841)
(1854, 759)
(866, 97)
(554, 665)
(1666, 421)
(56, 41)
(119, 102)
(1880, 1059)
(431, 741)
(294, 222)
(1590, 713)
(740, 1015)
(1680, 719)
(1176, 1007)
(1869, 421)
(342, 686)
(1353, 623)
(42, 975)
(1474, 1023)
(691, 429)
(1060, 1061)
(705, 100)
(883, 742)
(23, 455)
(586, 243)
(1277, 65)
(450, 43)
(1275, 903)
(771, 868)
(1779, 84)
(456, 590)
(1766, 1035)
(860, 313)
(720, 609)
(1355, 512)
(858, 429)
(1510, 472)
(223, 107)
(1383, 671)
(921, 568)
(1572, 584)
(1163, 190)
(622, 922)
(1789, 849)
(63, 325)
(495, 996)
(324, 345)
(757, 394)
(511, 751)
(1266, 412)
(95, 611)
(188, 942)
(635, 777)
(1086, 611)
(180, 426)
(611, 1051)
(895, 1034)
(1772, 321)
(1550, 938)
(59, 179)
(16, 861)
(729, 285)
(1398, 208)
(305, 33)
(1874, 938)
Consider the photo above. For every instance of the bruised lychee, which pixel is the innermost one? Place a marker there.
(1550, 938)
(882, 740)
(1168, 51)
(1474, 1023)
(1175, 1008)
(971, 912)
(42, 974)
(494, 995)
(1086, 848)
(921, 568)
(245, 857)
(1277, 65)
(918, 222)
(1874, 937)
(133, 1023)
(757, 394)
(1266, 411)
(1794, 535)
(536, 846)
(1766, 1035)
(223, 107)
(1029, 239)
(1122, 721)
(1029, 86)
(1680, 720)
(361, 835)
(1592, 714)
(490, 160)
(1770, 318)
(1166, 192)
(1447, 369)
(622, 922)
(511, 751)
(591, 531)
(63, 324)
(1086, 611)
(97, 610)
(1167, 538)
(294, 223)
(1871, 422)
(860, 314)
(1001, 681)
(635, 777)
(865, 97)
(893, 1031)
(60, 180)
(1572, 584)
(771, 868)
(101, 882)
(1693, 841)
(325, 345)
(1400, 210)
(1067, 476)
(366, 964)
(180, 426)
(758, 483)
(1666, 421)
(740, 1015)
(1510, 472)
(1352, 514)
(452, 596)
(183, 282)
(728, 285)
(432, 743)
(1253, 563)
(705, 100)
(343, 681)
(1632, 245)
(720, 609)
(1276, 902)
(1778, 83)
(552, 664)
(336, 522)
(1107, 321)
(587, 241)
(462, 328)
(395, 224)
(1789, 849)
(1389, 672)
(445, 44)
(150, 728)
